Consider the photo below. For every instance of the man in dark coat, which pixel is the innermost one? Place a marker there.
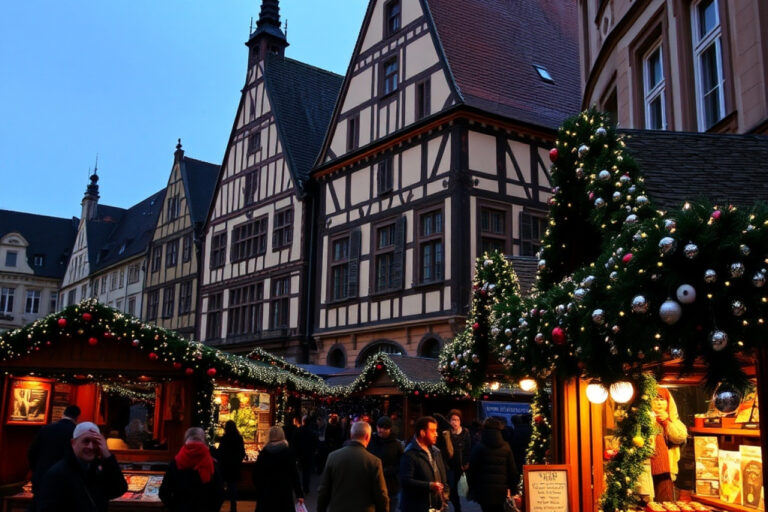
(304, 445)
(422, 473)
(52, 443)
(353, 479)
(492, 475)
(85, 479)
(388, 448)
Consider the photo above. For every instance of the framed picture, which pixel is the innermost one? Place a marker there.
(28, 402)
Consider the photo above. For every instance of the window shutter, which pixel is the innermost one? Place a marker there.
(354, 263)
(398, 257)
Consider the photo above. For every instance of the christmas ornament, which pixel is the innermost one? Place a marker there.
(686, 294)
(93, 341)
(631, 219)
(716, 214)
(539, 338)
(601, 132)
(560, 309)
(211, 372)
(744, 250)
(599, 202)
(609, 454)
(726, 398)
(583, 150)
(87, 316)
(639, 305)
(632, 189)
(638, 441)
(667, 245)
(604, 175)
(627, 258)
(758, 280)
(615, 329)
(670, 225)
(614, 276)
(177, 365)
(598, 316)
(62, 322)
(153, 356)
(553, 154)
(475, 358)
(558, 335)
(624, 179)
(676, 353)
(508, 332)
(616, 196)
(641, 201)
(579, 173)
(718, 339)
(475, 326)
(135, 343)
(710, 276)
(579, 294)
(738, 308)
(542, 264)
(487, 263)
(736, 269)
(670, 312)
(495, 331)
(691, 250)
(588, 281)
(189, 371)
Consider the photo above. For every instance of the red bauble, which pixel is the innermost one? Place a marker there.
(416, 392)
(485, 397)
(93, 341)
(62, 322)
(189, 371)
(716, 214)
(177, 365)
(87, 317)
(153, 356)
(558, 335)
(538, 418)
(609, 454)
(107, 335)
(211, 372)
(135, 343)
(476, 326)
(553, 154)
(379, 366)
(627, 258)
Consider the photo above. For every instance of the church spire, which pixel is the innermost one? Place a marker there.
(268, 36)
(90, 200)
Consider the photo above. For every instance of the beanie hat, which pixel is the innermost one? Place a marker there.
(384, 422)
(85, 427)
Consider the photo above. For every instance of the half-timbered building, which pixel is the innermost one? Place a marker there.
(436, 152)
(255, 265)
(109, 254)
(170, 293)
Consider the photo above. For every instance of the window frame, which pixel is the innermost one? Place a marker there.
(389, 82)
(134, 274)
(7, 295)
(245, 310)
(174, 208)
(535, 245)
(157, 257)
(393, 18)
(700, 44)
(11, 255)
(654, 92)
(353, 132)
(186, 248)
(282, 231)
(169, 299)
(153, 303)
(53, 301)
(172, 253)
(280, 302)
(483, 234)
(34, 296)
(254, 142)
(380, 253)
(213, 316)
(423, 99)
(432, 240)
(218, 254)
(341, 265)
(185, 297)
(249, 239)
(251, 184)
(385, 175)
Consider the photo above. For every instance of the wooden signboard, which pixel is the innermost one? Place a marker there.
(546, 488)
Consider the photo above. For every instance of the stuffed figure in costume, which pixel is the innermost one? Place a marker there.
(672, 433)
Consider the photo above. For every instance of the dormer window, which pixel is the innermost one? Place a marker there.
(392, 18)
(543, 73)
(10, 258)
(39, 260)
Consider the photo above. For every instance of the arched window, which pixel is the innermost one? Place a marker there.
(337, 358)
(388, 347)
(430, 347)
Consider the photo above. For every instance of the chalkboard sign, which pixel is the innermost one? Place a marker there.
(546, 488)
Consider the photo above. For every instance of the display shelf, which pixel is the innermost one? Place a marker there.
(714, 502)
(744, 432)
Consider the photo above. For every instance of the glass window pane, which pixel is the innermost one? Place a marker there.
(707, 17)
(655, 119)
(654, 69)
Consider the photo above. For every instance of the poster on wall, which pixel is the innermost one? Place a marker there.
(28, 402)
(61, 399)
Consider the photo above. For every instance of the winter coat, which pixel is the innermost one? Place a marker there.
(389, 450)
(492, 469)
(230, 454)
(71, 485)
(416, 473)
(353, 480)
(276, 479)
(52, 443)
(462, 449)
(183, 491)
(304, 444)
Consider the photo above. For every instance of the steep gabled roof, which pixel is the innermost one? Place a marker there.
(685, 166)
(199, 180)
(491, 47)
(51, 237)
(128, 238)
(302, 99)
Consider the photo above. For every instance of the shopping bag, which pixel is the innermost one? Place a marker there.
(462, 486)
(300, 507)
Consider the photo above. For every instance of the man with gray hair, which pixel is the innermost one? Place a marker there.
(353, 478)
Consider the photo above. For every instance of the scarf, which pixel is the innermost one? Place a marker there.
(195, 455)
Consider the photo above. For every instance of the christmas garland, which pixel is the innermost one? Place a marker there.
(131, 394)
(636, 430)
(382, 362)
(539, 443)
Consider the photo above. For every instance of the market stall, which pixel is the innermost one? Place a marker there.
(144, 386)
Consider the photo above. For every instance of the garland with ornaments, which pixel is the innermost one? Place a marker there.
(147, 397)
(464, 360)
(383, 362)
(537, 451)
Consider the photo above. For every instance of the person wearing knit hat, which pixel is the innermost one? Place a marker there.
(193, 481)
(86, 479)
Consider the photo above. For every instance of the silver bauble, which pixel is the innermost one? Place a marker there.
(637, 237)
(601, 132)
(676, 353)
(758, 280)
(670, 312)
(508, 332)
(738, 308)
(475, 358)
(507, 348)
(615, 329)
(579, 173)
(631, 219)
(542, 264)
(583, 150)
(726, 398)
(611, 262)
(487, 263)
(624, 179)
(599, 202)
(719, 340)
(641, 200)
(736, 269)
(691, 250)
(710, 276)
(560, 309)
(667, 245)
(539, 338)
(579, 294)
(454, 364)
(639, 305)
(614, 351)
(588, 281)
(613, 276)
(670, 225)
(744, 250)
(598, 316)
(632, 189)
(616, 196)
(604, 175)
(495, 331)
(686, 294)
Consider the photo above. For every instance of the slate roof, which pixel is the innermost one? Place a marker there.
(418, 369)
(199, 180)
(303, 98)
(526, 269)
(128, 237)
(52, 237)
(685, 166)
(492, 45)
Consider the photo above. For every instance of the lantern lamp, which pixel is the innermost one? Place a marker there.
(528, 384)
(596, 393)
(622, 391)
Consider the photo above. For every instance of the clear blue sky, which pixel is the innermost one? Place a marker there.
(124, 80)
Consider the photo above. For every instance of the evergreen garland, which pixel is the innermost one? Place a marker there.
(541, 414)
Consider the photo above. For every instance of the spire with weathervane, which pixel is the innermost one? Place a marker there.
(90, 200)
(268, 37)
